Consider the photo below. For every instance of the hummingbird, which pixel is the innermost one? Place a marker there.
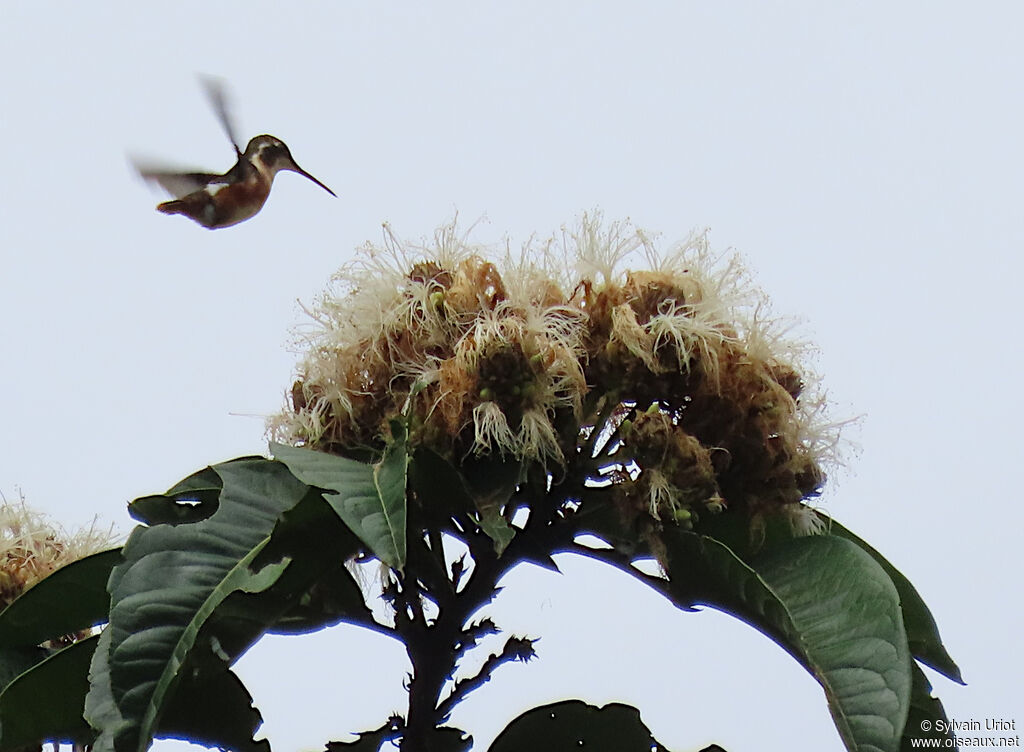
(216, 201)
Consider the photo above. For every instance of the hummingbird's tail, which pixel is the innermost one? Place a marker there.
(196, 207)
(176, 206)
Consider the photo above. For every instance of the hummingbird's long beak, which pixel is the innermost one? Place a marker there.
(295, 168)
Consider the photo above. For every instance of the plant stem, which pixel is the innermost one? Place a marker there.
(433, 645)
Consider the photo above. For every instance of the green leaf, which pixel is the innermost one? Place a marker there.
(440, 488)
(491, 484)
(704, 571)
(484, 487)
(212, 707)
(193, 507)
(573, 725)
(926, 719)
(172, 579)
(316, 590)
(332, 598)
(190, 500)
(16, 660)
(922, 631)
(850, 634)
(830, 605)
(101, 710)
(370, 499)
(45, 703)
(71, 599)
(209, 706)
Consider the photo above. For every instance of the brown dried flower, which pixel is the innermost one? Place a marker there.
(32, 548)
(712, 406)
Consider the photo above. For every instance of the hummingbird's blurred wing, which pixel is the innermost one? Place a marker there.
(216, 91)
(176, 182)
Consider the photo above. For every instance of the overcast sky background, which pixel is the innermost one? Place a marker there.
(865, 158)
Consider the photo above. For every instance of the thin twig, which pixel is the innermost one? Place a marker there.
(516, 649)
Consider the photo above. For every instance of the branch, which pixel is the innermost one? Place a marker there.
(472, 634)
(623, 562)
(516, 649)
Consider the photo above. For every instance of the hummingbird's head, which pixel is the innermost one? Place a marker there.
(271, 155)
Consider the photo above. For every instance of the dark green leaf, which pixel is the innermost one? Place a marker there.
(194, 498)
(370, 499)
(439, 486)
(316, 590)
(825, 601)
(172, 580)
(491, 484)
(71, 599)
(333, 598)
(45, 703)
(189, 500)
(211, 706)
(203, 480)
(599, 517)
(927, 718)
(16, 660)
(922, 631)
(573, 725)
(849, 633)
(162, 509)
(704, 571)
(484, 487)
(100, 708)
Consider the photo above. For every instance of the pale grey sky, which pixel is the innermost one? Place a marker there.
(866, 159)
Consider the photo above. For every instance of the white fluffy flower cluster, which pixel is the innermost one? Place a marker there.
(522, 355)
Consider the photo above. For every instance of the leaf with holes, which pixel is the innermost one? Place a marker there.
(171, 581)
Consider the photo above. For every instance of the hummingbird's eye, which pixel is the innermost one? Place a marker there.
(272, 151)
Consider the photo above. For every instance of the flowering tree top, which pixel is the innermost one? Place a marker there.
(708, 404)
